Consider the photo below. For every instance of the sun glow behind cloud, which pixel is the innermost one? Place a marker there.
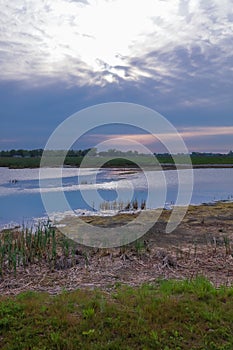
(57, 57)
(97, 36)
(103, 41)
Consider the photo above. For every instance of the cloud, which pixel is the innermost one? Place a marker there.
(79, 1)
(57, 57)
(125, 139)
(4, 141)
(206, 131)
(97, 43)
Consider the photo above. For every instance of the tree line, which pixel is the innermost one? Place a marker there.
(36, 153)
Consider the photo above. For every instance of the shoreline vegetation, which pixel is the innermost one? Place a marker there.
(162, 291)
(44, 259)
(187, 315)
(169, 315)
(18, 159)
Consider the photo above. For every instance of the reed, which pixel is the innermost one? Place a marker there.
(19, 249)
(227, 245)
(120, 206)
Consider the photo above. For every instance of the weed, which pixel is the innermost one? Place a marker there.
(89, 312)
(27, 246)
(227, 245)
(139, 246)
(167, 315)
(89, 332)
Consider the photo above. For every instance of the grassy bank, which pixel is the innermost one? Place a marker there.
(150, 294)
(45, 259)
(169, 315)
(163, 159)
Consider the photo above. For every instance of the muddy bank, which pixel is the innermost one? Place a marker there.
(201, 245)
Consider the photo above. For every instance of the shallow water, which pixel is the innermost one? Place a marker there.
(20, 200)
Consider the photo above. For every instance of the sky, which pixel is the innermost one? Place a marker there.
(58, 57)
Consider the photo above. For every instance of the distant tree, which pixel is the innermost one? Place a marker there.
(12, 152)
(20, 152)
(92, 152)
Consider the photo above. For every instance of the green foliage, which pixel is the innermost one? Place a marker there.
(171, 315)
(89, 312)
(111, 158)
(26, 246)
(19, 163)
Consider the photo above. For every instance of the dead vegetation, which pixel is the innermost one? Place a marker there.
(201, 245)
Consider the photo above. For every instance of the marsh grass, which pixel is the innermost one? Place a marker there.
(166, 315)
(227, 245)
(120, 205)
(26, 246)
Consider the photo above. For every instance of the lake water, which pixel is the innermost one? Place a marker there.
(20, 200)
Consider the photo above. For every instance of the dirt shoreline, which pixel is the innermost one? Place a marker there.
(201, 245)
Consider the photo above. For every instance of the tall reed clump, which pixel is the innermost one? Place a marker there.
(107, 205)
(27, 246)
(120, 206)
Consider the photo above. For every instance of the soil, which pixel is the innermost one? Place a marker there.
(201, 245)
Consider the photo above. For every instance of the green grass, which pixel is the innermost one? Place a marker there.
(170, 315)
(197, 159)
(19, 163)
(20, 248)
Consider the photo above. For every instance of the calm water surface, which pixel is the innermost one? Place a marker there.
(20, 200)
